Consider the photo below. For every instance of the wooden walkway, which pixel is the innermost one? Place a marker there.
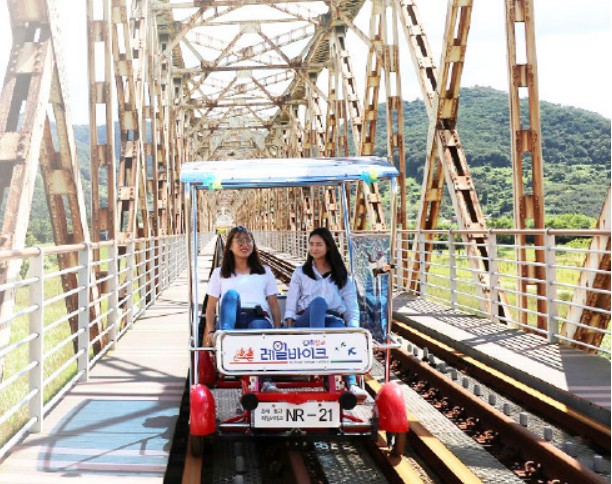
(118, 426)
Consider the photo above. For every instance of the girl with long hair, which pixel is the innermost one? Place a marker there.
(321, 293)
(247, 288)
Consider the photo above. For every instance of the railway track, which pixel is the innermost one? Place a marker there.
(533, 400)
(459, 388)
(356, 460)
(532, 457)
(300, 460)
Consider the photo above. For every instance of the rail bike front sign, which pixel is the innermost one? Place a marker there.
(294, 352)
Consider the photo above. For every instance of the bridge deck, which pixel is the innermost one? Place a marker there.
(578, 379)
(118, 426)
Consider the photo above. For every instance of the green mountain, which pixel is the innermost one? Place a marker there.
(576, 152)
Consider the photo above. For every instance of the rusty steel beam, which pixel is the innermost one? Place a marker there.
(34, 80)
(102, 155)
(590, 304)
(128, 44)
(446, 162)
(526, 149)
(368, 205)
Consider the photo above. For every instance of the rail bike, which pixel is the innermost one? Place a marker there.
(307, 365)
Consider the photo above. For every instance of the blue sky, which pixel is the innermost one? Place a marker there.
(570, 36)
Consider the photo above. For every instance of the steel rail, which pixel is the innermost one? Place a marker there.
(558, 412)
(429, 448)
(535, 452)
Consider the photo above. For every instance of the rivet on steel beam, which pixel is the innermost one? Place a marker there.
(415, 351)
(465, 382)
(523, 419)
(477, 390)
(598, 463)
(425, 353)
(432, 359)
(454, 373)
(569, 448)
(442, 367)
(492, 399)
(507, 409)
(548, 433)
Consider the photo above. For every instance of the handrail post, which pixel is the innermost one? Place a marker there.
(153, 270)
(550, 258)
(398, 258)
(84, 275)
(170, 259)
(493, 277)
(36, 379)
(142, 275)
(422, 268)
(452, 259)
(129, 303)
(163, 262)
(113, 291)
(151, 261)
(180, 256)
(170, 243)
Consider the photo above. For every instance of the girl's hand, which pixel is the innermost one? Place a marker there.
(208, 339)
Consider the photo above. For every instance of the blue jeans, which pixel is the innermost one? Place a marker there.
(315, 316)
(232, 317)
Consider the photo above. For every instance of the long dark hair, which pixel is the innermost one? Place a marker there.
(228, 264)
(339, 274)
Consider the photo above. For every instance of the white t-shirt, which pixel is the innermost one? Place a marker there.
(253, 288)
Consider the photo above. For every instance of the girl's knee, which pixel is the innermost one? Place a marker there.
(230, 296)
(318, 303)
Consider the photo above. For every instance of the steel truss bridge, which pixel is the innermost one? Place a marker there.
(238, 79)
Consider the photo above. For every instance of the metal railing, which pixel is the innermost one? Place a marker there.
(49, 349)
(451, 271)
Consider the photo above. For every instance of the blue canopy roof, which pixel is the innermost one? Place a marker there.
(285, 172)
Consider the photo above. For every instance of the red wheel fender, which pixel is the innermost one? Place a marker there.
(202, 415)
(391, 408)
(207, 371)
